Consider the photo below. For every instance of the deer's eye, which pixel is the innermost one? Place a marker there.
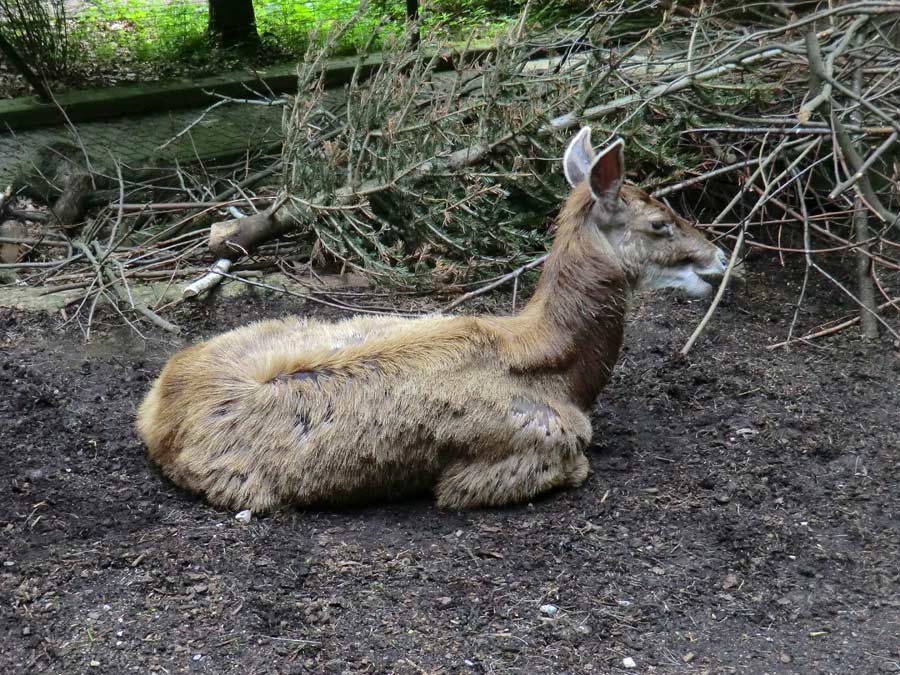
(662, 227)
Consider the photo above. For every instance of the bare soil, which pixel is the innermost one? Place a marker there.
(743, 516)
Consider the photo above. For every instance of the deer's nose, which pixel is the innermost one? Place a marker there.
(716, 267)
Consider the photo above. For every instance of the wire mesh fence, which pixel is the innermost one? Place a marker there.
(136, 141)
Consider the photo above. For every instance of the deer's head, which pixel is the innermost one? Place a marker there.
(656, 247)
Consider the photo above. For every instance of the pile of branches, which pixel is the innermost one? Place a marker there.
(775, 127)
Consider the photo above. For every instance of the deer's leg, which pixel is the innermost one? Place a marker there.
(515, 478)
(536, 446)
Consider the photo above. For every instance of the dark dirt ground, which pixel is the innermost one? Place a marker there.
(743, 516)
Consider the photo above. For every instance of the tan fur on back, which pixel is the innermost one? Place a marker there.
(482, 410)
(386, 417)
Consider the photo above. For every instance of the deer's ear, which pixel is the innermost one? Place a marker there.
(579, 157)
(607, 173)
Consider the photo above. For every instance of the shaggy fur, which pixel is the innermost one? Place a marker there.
(483, 410)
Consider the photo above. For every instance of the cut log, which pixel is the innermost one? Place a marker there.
(234, 238)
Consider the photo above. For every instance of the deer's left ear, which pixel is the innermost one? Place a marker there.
(579, 157)
(607, 173)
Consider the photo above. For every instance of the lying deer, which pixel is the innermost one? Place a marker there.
(483, 410)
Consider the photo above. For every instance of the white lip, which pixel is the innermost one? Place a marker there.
(684, 278)
(694, 286)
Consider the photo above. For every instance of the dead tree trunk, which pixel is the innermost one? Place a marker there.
(232, 23)
(412, 18)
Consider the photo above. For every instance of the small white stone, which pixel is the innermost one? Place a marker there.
(628, 662)
(549, 610)
(624, 603)
(198, 657)
(471, 664)
(244, 516)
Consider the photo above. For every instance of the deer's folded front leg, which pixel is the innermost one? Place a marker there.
(516, 478)
(546, 452)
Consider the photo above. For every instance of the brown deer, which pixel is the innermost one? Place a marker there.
(483, 410)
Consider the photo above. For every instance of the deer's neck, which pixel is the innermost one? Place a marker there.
(573, 325)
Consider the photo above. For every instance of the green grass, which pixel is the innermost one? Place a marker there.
(118, 31)
(148, 39)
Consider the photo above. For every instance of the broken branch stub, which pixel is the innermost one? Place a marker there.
(235, 238)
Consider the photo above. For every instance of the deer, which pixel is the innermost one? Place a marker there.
(483, 410)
